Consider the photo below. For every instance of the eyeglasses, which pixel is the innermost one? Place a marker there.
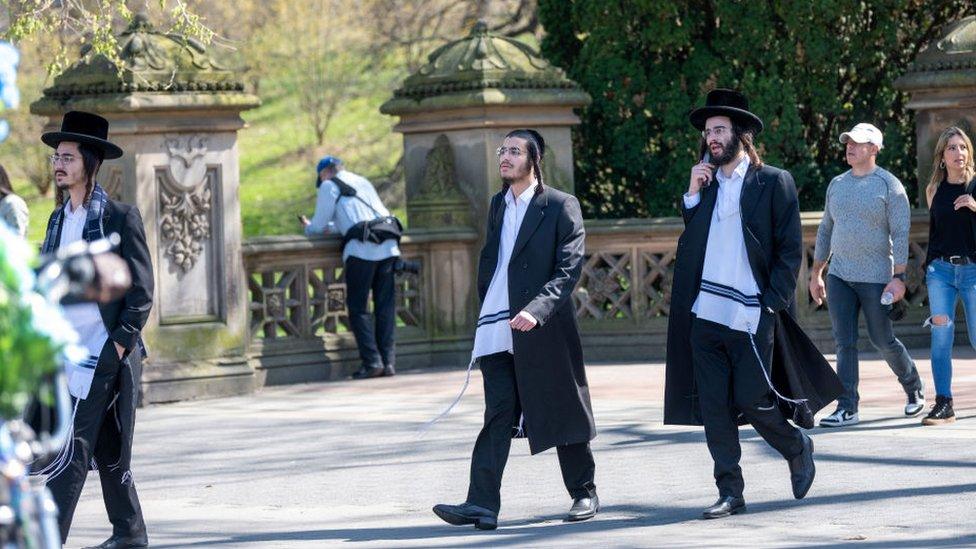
(717, 131)
(515, 152)
(63, 159)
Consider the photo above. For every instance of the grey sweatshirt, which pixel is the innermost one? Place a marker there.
(865, 226)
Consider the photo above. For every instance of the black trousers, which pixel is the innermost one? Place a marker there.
(374, 339)
(119, 494)
(730, 381)
(495, 440)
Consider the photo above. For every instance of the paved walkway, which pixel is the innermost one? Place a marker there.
(341, 464)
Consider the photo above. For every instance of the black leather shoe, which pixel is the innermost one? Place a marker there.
(725, 506)
(389, 370)
(367, 372)
(802, 469)
(122, 542)
(467, 513)
(583, 508)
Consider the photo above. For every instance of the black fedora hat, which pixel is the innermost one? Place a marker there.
(84, 127)
(724, 102)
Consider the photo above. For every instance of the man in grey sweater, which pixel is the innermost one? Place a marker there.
(864, 234)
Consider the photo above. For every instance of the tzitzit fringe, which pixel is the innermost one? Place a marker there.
(63, 459)
(467, 379)
(766, 374)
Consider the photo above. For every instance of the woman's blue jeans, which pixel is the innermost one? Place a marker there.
(947, 283)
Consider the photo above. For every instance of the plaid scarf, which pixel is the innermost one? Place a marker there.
(93, 221)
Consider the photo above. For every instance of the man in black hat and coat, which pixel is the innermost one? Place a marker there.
(106, 385)
(527, 341)
(735, 272)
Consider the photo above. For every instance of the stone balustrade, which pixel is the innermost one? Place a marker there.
(299, 329)
(297, 304)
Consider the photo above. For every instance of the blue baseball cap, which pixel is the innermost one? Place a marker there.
(327, 162)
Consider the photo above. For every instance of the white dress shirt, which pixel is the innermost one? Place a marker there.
(494, 334)
(728, 294)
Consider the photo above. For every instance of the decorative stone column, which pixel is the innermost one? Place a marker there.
(942, 85)
(175, 111)
(455, 111)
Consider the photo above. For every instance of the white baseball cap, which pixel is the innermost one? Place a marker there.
(863, 133)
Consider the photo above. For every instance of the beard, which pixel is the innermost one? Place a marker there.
(519, 174)
(62, 183)
(730, 151)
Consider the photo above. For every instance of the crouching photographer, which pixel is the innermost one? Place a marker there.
(348, 204)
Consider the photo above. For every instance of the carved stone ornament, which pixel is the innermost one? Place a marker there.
(185, 198)
(440, 177)
(152, 61)
(482, 60)
(947, 61)
(113, 185)
(461, 72)
(186, 164)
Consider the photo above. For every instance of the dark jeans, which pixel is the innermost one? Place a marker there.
(844, 301)
(374, 339)
(121, 500)
(730, 380)
(495, 440)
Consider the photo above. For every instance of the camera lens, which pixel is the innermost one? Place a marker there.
(403, 266)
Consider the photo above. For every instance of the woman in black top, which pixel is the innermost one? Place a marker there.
(951, 259)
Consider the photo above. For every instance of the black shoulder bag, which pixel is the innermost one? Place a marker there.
(381, 229)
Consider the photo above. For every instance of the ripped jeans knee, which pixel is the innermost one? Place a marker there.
(938, 321)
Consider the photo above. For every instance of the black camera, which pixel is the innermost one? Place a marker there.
(405, 266)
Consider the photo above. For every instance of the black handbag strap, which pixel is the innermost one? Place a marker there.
(971, 186)
(345, 189)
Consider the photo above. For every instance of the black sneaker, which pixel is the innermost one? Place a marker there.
(915, 404)
(941, 412)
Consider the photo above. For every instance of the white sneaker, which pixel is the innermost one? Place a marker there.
(839, 418)
(915, 404)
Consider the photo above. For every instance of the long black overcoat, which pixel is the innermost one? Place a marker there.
(124, 320)
(771, 230)
(544, 268)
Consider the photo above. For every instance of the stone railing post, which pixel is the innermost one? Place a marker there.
(454, 111)
(942, 87)
(175, 111)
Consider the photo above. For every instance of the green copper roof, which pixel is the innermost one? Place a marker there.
(485, 61)
(152, 62)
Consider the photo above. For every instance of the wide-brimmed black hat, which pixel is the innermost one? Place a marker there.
(84, 127)
(724, 102)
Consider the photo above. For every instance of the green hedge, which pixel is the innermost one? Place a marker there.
(811, 69)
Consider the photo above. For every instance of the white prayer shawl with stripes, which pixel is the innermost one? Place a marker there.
(728, 294)
(493, 334)
(85, 318)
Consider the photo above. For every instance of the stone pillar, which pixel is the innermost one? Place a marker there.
(175, 111)
(455, 111)
(942, 87)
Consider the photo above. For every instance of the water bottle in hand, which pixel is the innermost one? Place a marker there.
(887, 298)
